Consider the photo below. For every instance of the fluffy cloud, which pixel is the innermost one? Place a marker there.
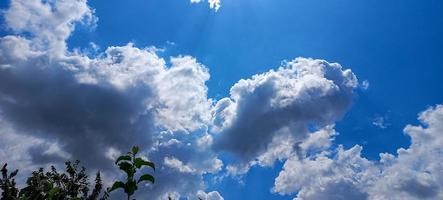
(415, 173)
(286, 103)
(46, 100)
(182, 91)
(66, 105)
(50, 23)
(320, 177)
(181, 165)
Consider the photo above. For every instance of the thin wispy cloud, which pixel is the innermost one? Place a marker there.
(380, 122)
(213, 4)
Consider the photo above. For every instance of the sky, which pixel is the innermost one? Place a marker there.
(232, 99)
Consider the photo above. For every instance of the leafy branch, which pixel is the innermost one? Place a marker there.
(74, 183)
(7, 184)
(130, 163)
(53, 185)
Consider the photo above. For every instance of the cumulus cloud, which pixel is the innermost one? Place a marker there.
(287, 103)
(415, 173)
(183, 94)
(182, 164)
(178, 165)
(67, 105)
(322, 177)
(49, 23)
(50, 103)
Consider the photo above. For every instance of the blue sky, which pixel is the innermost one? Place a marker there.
(395, 46)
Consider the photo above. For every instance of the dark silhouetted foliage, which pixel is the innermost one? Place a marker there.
(74, 183)
(8, 185)
(130, 163)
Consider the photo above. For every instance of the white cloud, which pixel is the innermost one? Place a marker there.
(284, 146)
(214, 195)
(178, 165)
(15, 50)
(343, 174)
(69, 105)
(319, 140)
(281, 147)
(49, 23)
(205, 141)
(365, 85)
(380, 122)
(213, 4)
(183, 95)
(416, 172)
(321, 177)
(181, 163)
(283, 103)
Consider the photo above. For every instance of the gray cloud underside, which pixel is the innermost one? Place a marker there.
(304, 94)
(87, 119)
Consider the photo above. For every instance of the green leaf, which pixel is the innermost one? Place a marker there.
(130, 187)
(127, 167)
(116, 185)
(53, 192)
(146, 177)
(135, 149)
(139, 162)
(124, 157)
(14, 173)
